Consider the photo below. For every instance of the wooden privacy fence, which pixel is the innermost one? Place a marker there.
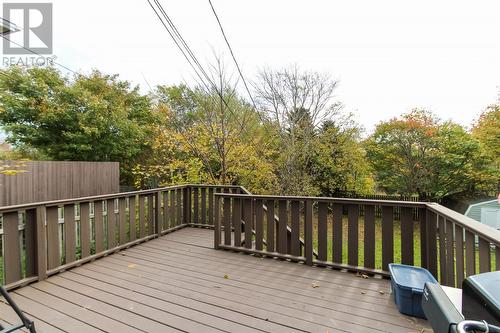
(55, 180)
(449, 244)
(42, 239)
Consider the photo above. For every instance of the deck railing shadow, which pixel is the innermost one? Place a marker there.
(45, 238)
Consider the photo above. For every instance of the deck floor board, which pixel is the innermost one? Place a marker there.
(178, 283)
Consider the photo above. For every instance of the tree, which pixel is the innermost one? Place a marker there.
(91, 118)
(487, 131)
(296, 104)
(223, 140)
(419, 154)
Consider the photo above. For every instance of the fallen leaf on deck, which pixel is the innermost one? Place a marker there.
(315, 285)
(365, 276)
(363, 292)
(226, 276)
(131, 265)
(381, 292)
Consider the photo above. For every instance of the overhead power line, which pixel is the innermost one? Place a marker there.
(232, 54)
(29, 50)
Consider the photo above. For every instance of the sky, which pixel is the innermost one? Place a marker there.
(388, 56)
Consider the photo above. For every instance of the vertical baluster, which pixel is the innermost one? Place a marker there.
(484, 256)
(431, 221)
(166, 212)
(132, 218)
(387, 236)
(203, 205)
(30, 230)
(450, 255)
(322, 231)
(158, 218)
(369, 239)
(353, 234)
(497, 257)
(308, 232)
(41, 242)
(98, 226)
(142, 216)
(12, 254)
(470, 253)
(111, 217)
(459, 245)
(406, 215)
(151, 217)
(69, 233)
(295, 222)
(211, 206)
(337, 233)
(282, 227)
(236, 208)
(187, 206)
(270, 226)
(196, 212)
(259, 224)
(422, 215)
(216, 222)
(173, 219)
(53, 255)
(84, 229)
(442, 250)
(247, 207)
(227, 221)
(122, 222)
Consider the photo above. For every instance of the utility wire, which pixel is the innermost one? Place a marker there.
(27, 49)
(232, 54)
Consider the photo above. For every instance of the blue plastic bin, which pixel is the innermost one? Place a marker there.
(407, 284)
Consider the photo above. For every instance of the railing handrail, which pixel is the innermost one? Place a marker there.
(485, 231)
(415, 204)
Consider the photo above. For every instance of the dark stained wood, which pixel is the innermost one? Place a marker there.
(450, 254)
(227, 221)
(484, 256)
(41, 241)
(337, 233)
(142, 216)
(175, 283)
(111, 220)
(459, 252)
(423, 237)
(497, 257)
(387, 236)
(407, 235)
(196, 209)
(432, 263)
(132, 218)
(217, 222)
(98, 226)
(158, 223)
(53, 255)
(369, 236)
(203, 205)
(322, 231)
(270, 246)
(236, 220)
(352, 234)
(443, 274)
(151, 215)
(85, 229)
(166, 210)
(308, 232)
(470, 253)
(259, 224)
(173, 217)
(210, 206)
(295, 226)
(179, 196)
(122, 220)
(12, 254)
(69, 233)
(249, 225)
(282, 230)
(30, 247)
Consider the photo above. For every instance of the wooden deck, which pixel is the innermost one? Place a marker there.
(179, 283)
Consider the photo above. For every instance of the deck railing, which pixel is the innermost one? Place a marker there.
(42, 239)
(429, 235)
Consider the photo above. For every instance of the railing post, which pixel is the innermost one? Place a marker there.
(186, 203)
(158, 222)
(41, 243)
(308, 232)
(431, 243)
(217, 222)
